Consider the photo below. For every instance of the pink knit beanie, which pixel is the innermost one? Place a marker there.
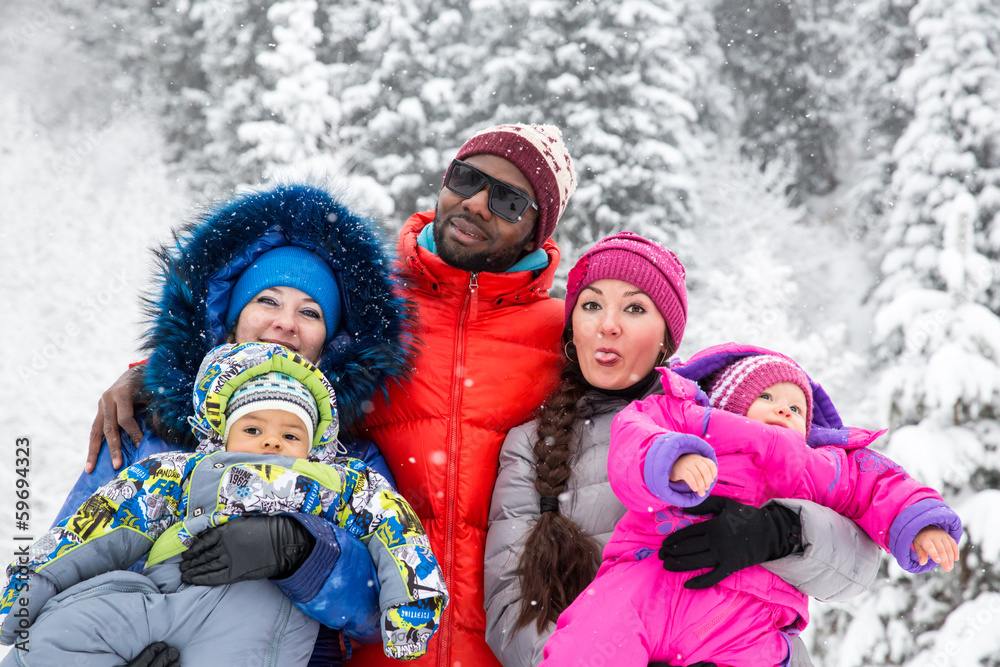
(628, 257)
(739, 384)
(539, 152)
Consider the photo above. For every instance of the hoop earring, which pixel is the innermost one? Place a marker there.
(662, 357)
(566, 348)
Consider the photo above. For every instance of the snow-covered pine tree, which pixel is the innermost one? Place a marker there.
(299, 132)
(884, 42)
(401, 103)
(785, 62)
(938, 343)
(388, 90)
(196, 60)
(227, 39)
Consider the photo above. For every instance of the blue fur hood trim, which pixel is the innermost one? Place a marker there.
(198, 269)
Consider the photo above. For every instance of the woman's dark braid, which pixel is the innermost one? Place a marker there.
(559, 558)
(555, 433)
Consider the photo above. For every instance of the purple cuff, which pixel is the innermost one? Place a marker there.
(303, 585)
(820, 436)
(660, 459)
(848, 437)
(913, 519)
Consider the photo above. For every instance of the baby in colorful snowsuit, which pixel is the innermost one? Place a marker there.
(275, 415)
(635, 611)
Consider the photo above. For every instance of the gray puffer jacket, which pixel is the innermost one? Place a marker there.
(825, 569)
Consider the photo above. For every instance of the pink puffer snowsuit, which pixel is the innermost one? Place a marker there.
(635, 611)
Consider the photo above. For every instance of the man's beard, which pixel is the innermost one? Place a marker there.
(492, 260)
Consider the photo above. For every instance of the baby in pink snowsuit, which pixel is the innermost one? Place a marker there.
(745, 440)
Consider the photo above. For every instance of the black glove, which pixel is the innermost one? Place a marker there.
(242, 549)
(157, 654)
(740, 536)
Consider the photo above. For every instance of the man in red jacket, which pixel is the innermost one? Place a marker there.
(479, 269)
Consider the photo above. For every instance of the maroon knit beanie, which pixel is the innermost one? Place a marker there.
(628, 257)
(739, 384)
(539, 152)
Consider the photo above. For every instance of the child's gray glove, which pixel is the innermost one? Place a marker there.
(35, 591)
(738, 537)
(246, 548)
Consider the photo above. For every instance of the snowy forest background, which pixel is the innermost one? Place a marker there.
(829, 172)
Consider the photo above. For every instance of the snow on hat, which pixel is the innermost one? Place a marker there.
(273, 391)
(739, 384)
(288, 266)
(628, 257)
(539, 152)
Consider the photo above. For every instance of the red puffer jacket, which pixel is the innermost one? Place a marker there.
(490, 355)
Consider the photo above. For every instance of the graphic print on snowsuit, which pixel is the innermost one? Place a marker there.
(634, 604)
(148, 499)
(207, 488)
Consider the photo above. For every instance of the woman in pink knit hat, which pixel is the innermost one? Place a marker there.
(553, 508)
(746, 440)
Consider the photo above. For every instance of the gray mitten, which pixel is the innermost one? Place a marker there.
(32, 595)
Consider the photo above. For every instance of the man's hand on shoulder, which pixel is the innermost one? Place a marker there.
(115, 410)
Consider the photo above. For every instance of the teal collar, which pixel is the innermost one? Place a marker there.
(533, 261)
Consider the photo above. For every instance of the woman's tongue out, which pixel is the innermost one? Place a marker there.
(607, 356)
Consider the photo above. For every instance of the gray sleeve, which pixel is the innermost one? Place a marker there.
(512, 512)
(800, 654)
(839, 560)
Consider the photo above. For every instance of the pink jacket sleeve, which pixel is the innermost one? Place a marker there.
(647, 437)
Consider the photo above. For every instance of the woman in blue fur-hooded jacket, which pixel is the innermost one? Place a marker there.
(366, 346)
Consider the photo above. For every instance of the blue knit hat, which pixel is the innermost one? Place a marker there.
(288, 266)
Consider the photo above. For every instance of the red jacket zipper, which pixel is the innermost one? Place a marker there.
(470, 305)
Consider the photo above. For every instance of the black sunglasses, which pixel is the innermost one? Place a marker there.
(506, 201)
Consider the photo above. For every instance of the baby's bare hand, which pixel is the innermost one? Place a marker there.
(696, 470)
(936, 544)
